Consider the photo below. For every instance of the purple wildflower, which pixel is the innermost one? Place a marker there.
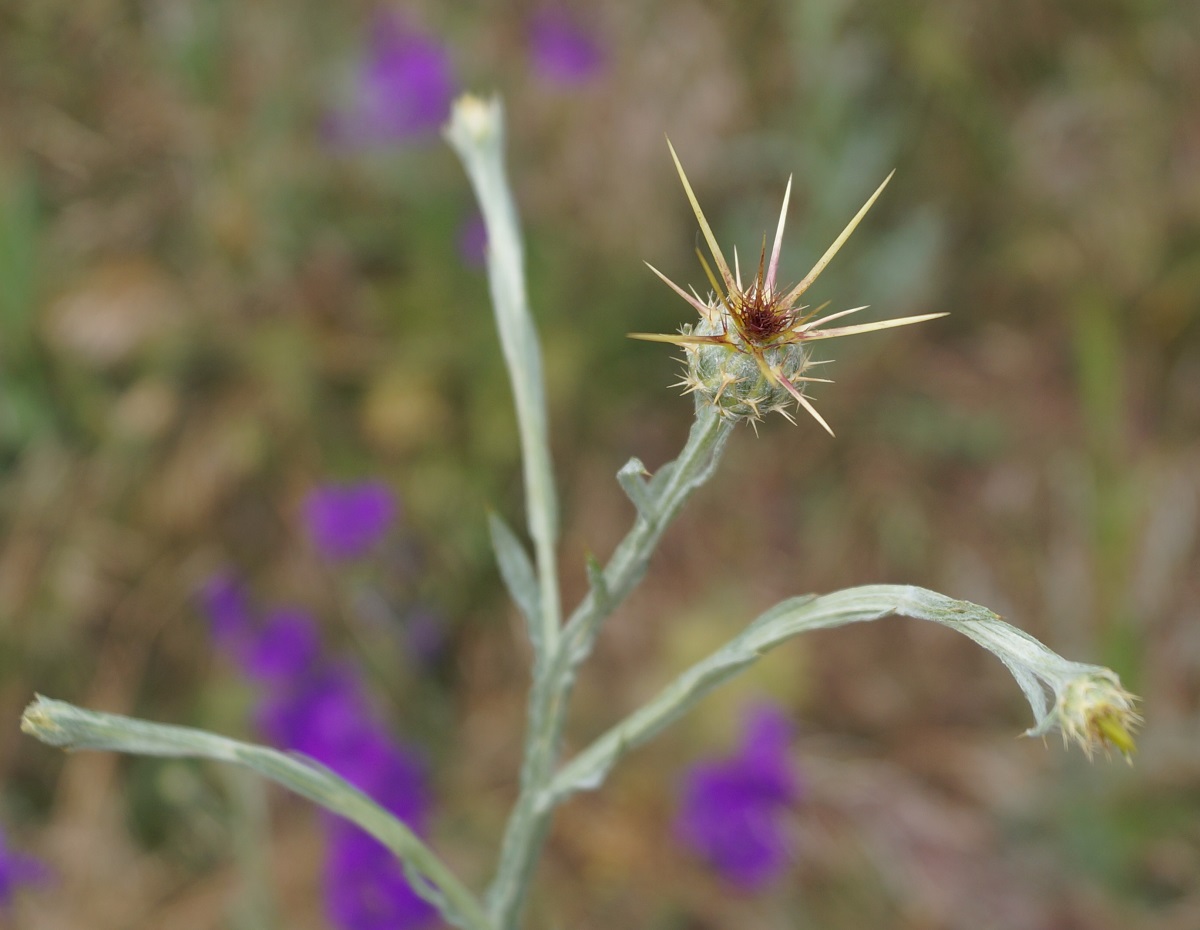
(366, 888)
(346, 521)
(287, 646)
(732, 807)
(230, 618)
(391, 774)
(328, 719)
(562, 51)
(321, 708)
(17, 870)
(327, 716)
(402, 90)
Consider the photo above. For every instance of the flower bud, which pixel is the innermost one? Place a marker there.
(1094, 711)
(745, 355)
(729, 378)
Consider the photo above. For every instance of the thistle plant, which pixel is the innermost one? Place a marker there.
(747, 356)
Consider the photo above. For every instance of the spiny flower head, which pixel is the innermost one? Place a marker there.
(748, 353)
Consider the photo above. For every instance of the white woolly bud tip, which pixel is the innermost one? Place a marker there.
(1094, 711)
(475, 118)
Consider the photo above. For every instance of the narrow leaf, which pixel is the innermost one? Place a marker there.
(476, 132)
(517, 571)
(632, 478)
(595, 573)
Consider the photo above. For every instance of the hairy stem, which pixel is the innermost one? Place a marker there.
(1039, 671)
(664, 495)
(476, 131)
(69, 727)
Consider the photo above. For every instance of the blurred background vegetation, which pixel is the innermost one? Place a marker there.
(205, 310)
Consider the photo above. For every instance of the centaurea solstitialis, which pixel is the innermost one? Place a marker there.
(760, 325)
(748, 354)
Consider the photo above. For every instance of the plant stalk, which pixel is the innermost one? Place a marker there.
(554, 680)
(58, 723)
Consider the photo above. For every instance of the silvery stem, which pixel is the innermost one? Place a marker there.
(1084, 696)
(476, 131)
(61, 724)
(658, 501)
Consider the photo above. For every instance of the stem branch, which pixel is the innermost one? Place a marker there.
(65, 725)
(530, 819)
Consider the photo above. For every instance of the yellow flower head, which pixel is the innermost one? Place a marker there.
(748, 353)
(1094, 711)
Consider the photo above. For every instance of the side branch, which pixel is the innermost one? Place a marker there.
(1089, 705)
(657, 501)
(69, 727)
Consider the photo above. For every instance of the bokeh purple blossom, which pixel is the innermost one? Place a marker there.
(402, 88)
(733, 809)
(17, 871)
(345, 522)
(226, 603)
(288, 644)
(562, 51)
(367, 891)
(320, 707)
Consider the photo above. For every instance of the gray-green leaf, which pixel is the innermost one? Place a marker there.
(516, 569)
